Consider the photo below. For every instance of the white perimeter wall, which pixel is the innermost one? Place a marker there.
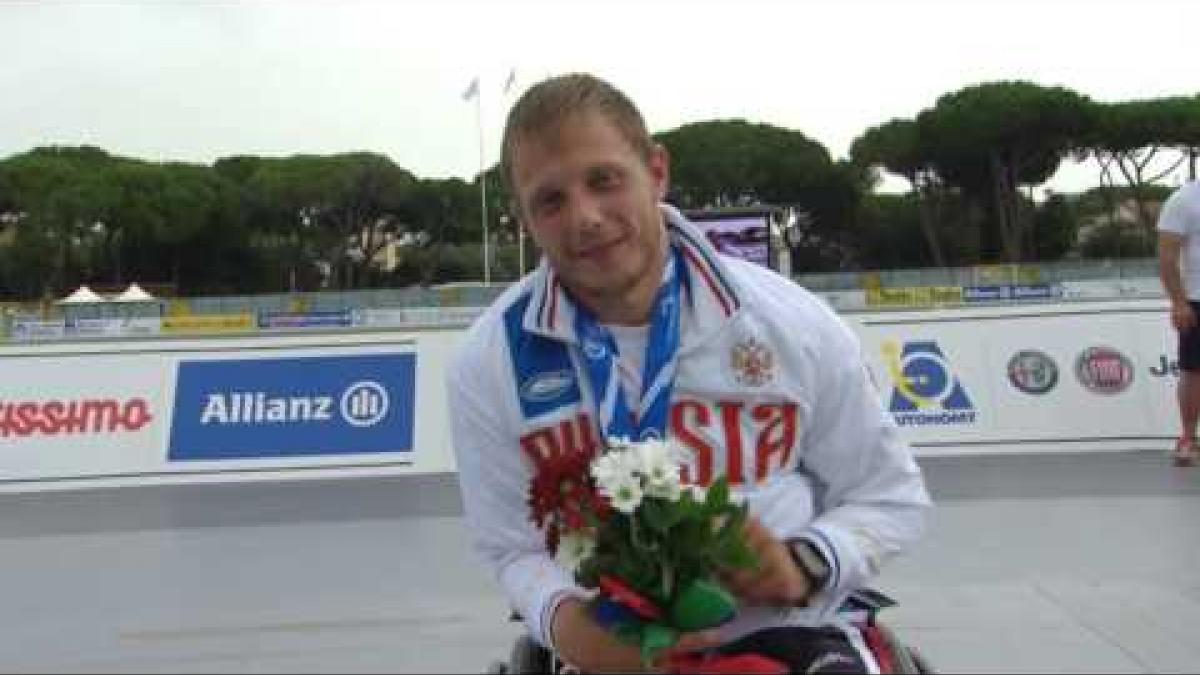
(957, 395)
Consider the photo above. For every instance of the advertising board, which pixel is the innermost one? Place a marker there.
(1052, 377)
(743, 236)
(222, 407)
(1032, 378)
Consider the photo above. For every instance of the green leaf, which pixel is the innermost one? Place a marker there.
(666, 580)
(732, 529)
(739, 556)
(701, 604)
(629, 633)
(656, 638)
(592, 519)
(717, 496)
(641, 574)
(643, 541)
(686, 500)
(689, 508)
(688, 537)
(660, 515)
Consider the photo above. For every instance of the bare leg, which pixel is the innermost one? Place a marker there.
(1189, 414)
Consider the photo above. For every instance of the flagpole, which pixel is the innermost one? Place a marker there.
(487, 263)
(520, 249)
(508, 87)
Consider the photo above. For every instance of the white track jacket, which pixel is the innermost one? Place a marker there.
(771, 390)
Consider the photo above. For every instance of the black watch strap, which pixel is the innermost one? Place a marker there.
(810, 559)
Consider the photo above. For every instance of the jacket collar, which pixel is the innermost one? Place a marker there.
(713, 297)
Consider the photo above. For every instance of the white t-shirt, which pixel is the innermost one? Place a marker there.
(1181, 215)
(631, 359)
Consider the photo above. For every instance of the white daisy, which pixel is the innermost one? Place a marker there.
(668, 490)
(625, 495)
(655, 460)
(614, 467)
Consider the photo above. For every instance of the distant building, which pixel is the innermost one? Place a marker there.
(8, 227)
(391, 246)
(1123, 215)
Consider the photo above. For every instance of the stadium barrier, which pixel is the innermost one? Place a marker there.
(1045, 377)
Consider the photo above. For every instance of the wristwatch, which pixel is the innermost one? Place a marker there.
(812, 562)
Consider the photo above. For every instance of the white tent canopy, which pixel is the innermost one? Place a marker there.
(82, 296)
(134, 293)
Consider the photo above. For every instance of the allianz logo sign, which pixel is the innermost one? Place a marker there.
(362, 404)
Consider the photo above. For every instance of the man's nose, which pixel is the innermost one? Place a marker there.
(584, 210)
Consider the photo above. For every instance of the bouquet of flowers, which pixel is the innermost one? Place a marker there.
(624, 524)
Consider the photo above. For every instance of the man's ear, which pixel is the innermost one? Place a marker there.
(659, 165)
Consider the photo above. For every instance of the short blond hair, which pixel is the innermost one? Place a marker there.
(546, 105)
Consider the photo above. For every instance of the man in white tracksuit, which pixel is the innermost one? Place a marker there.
(633, 318)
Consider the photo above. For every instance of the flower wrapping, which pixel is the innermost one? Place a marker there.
(651, 548)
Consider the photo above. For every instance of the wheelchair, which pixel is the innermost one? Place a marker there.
(862, 608)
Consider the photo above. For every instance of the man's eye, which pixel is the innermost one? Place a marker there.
(547, 204)
(605, 180)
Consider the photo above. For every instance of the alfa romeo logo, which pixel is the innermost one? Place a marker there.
(1032, 372)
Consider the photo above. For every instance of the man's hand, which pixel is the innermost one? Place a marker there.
(1183, 317)
(777, 580)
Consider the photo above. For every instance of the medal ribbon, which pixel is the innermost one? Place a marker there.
(599, 350)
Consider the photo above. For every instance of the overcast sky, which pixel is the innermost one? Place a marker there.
(196, 81)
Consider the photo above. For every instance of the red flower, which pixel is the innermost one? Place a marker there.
(573, 519)
(559, 493)
(601, 505)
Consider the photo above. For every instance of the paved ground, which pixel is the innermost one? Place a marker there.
(1064, 563)
(1051, 563)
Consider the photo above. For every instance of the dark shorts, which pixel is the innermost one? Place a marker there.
(802, 650)
(1189, 346)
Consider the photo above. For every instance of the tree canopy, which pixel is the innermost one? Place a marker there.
(246, 224)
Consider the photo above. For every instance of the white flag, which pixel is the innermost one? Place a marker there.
(472, 91)
(512, 79)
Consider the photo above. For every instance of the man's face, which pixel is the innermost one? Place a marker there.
(590, 203)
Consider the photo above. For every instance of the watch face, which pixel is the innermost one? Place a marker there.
(812, 562)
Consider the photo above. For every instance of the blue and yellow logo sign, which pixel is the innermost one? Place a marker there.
(925, 390)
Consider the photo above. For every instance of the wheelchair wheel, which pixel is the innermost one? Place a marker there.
(920, 662)
(905, 659)
(530, 657)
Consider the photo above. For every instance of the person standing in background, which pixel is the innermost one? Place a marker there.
(1179, 247)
